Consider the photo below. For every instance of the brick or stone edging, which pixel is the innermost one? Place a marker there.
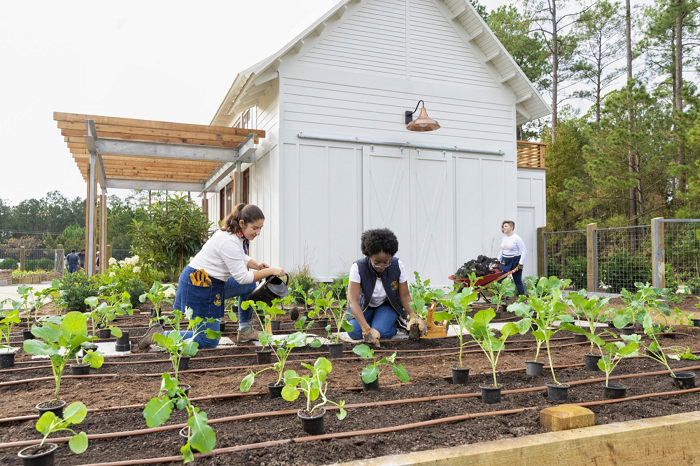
(666, 440)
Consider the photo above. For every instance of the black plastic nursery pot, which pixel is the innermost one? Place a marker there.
(580, 338)
(669, 334)
(185, 438)
(684, 380)
(312, 425)
(154, 313)
(80, 369)
(38, 456)
(184, 363)
(275, 390)
(263, 356)
(370, 386)
(104, 333)
(628, 330)
(123, 343)
(696, 322)
(55, 406)
(185, 387)
(27, 335)
(534, 368)
(274, 325)
(558, 392)
(336, 350)
(460, 375)
(322, 323)
(591, 361)
(86, 349)
(294, 313)
(490, 394)
(614, 391)
(222, 326)
(7, 357)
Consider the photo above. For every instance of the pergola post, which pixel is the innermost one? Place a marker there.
(92, 194)
(103, 230)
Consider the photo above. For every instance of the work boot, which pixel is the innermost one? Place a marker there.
(147, 339)
(247, 334)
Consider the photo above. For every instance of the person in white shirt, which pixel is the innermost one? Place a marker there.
(378, 294)
(512, 254)
(220, 271)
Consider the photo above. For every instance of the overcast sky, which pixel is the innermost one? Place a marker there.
(155, 60)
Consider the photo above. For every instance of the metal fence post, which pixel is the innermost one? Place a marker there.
(658, 277)
(541, 251)
(591, 256)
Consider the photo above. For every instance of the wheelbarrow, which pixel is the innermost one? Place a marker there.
(481, 283)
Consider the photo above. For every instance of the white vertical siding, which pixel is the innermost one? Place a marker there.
(532, 212)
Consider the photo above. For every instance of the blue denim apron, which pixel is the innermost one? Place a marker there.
(205, 301)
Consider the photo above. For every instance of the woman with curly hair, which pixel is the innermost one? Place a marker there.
(512, 254)
(220, 271)
(378, 290)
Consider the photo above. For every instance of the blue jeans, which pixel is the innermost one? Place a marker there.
(508, 264)
(201, 339)
(380, 318)
(233, 289)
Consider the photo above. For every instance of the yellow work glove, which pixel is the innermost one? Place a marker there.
(417, 328)
(200, 278)
(370, 335)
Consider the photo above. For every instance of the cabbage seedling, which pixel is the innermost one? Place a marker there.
(313, 386)
(371, 371)
(49, 423)
(457, 306)
(422, 294)
(157, 296)
(615, 351)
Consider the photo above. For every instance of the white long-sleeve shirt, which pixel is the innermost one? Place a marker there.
(222, 257)
(513, 245)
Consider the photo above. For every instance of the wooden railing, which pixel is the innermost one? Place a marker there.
(531, 154)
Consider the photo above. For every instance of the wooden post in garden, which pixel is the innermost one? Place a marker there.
(657, 253)
(540, 251)
(21, 258)
(590, 256)
(103, 230)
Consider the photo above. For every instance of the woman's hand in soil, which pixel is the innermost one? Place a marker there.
(417, 328)
(370, 336)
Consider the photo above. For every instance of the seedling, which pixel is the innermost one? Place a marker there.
(157, 296)
(615, 351)
(422, 294)
(658, 353)
(49, 424)
(25, 292)
(175, 344)
(200, 435)
(457, 306)
(101, 314)
(483, 335)
(9, 319)
(500, 290)
(312, 386)
(335, 311)
(268, 312)
(592, 310)
(543, 312)
(61, 343)
(371, 371)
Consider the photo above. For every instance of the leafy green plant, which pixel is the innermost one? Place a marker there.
(26, 293)
(660, 354)
(543, 312)
(592, 310)
(74, 413)
(615, 351)
(312, 386)
(339, 286)
(371, 371)
(335, 312)
(53, 294)
(457, 305)
(422, 294)
(302, 293)
(483, 335)
(500, 290)
(61, 343)
(157, 295)
(8, 263)
(101, 314)
(268, 313)
(200, 435)
(282, 348)
(75, 287)
(9, 320)
(175, 344)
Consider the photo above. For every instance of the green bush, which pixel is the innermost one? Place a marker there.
(8, 263)
(75, 287)
(36, 264)
(135, 287)
(622, 270)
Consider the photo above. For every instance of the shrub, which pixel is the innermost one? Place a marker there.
(128, 275)
(75, 287)
(8, 263)
(36, 264)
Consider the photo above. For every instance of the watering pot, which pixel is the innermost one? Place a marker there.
(270, 288)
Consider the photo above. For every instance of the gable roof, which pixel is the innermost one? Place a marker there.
(252, 83)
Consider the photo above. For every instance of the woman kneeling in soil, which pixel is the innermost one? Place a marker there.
(220, 271)
(378, 290)
(512, 254)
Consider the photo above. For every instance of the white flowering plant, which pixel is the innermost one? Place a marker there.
(128, 275)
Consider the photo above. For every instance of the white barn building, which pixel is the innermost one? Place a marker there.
(337, 158)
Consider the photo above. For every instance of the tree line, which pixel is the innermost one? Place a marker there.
(635, 154)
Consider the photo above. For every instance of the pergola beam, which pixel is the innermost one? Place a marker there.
(245, 150)
(158, 185)
(165, 150)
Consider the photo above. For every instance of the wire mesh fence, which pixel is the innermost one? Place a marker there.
(9, 258)
(681, 254)
(48, 260)
(565, 256)
(121, 254)
(623, 257)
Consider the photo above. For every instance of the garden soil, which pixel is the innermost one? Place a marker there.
(129, 384)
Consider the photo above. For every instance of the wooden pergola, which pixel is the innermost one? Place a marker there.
(125, 153)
